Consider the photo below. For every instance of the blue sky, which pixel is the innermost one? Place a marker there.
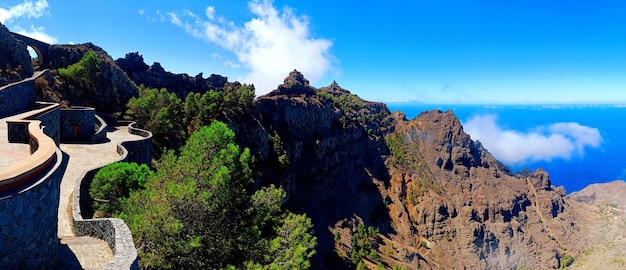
(532, 51)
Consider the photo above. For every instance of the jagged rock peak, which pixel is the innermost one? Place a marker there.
(294, 84)
(156, 67)
(334, 88)
(295, 78)
(156, 76)
(133, 62)
(541, 180)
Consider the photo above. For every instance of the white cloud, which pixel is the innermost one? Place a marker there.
(210, 12)
(162, 17)
(559, 140)
(37, 33)
(141, 12)
(27, 9)
(231, 64)
(174, 19)
(269, 46)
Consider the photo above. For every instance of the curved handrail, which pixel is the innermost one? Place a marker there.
(43, 153)
(114, 231)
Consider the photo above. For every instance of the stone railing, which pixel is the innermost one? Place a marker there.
(139, 151)
(26, 128)
(101, 130)
(29, 195)
(18, 97)
(112, 230)
(28, 221)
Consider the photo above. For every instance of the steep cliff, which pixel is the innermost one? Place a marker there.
(329, 163)
(433, 193)
(451, 194)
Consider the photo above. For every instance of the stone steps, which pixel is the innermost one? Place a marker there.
(85, 252)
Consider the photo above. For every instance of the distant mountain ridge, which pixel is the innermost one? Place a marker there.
(155, 76)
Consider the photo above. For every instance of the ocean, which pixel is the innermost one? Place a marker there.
(577, 145)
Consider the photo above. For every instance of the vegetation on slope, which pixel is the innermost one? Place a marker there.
(354, 110)
(113, 184)
(84, 74)
(171, 119)
(198, 211)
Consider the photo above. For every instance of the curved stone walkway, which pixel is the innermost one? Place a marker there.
(91, 253)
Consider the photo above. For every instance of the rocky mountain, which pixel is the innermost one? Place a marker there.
(155, 76)
(108, 91)
(602, 210)
(329, 161)
(426, 194)
(454, 197)
(433, 193)
(430, 190)
(15, 61)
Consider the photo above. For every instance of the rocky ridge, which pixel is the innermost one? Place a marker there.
(108, 92)
(602, 210)
(432, 191)
(155, 76)
(462, 203)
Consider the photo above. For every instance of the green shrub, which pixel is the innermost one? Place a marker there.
(86, 68)
(364, 244)
(113, 184)
(566, 261)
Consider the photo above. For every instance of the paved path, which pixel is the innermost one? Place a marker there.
(91, 253)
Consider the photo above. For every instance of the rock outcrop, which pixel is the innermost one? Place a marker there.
(15, 63)
(454, 196)
(434, 193)
(329, 165)
(108, 92)
(155, 76)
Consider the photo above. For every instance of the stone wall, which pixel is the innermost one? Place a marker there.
(28, 227)
(49, 116)
(78, 124)
(139, 151)
(101, 130)
(50, 120)
(112, 230)
(17, 97)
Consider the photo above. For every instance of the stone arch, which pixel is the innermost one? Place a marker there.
(39, 60)
(40, 47)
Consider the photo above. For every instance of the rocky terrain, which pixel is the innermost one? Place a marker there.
(15, 61)
(433, 193)
(437, 199)
(155, 76)
(108, 92)
(603, 211)
(332, 162)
